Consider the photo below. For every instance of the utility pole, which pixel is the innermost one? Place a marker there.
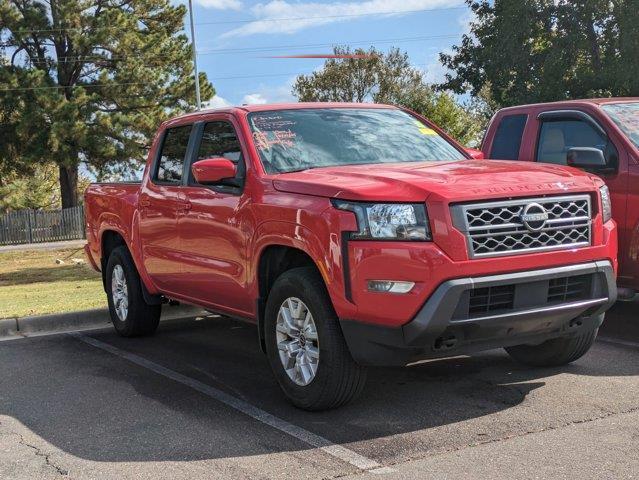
(198, 103)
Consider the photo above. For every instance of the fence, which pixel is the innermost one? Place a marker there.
(36, 226)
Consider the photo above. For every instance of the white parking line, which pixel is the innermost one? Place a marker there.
(625, 343)
(310, 438)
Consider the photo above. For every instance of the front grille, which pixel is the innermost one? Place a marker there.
(490, 299)
(498, 228)
(569, 289)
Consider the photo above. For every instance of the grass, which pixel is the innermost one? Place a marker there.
(32, 283)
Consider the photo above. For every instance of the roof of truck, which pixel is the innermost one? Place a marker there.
(286, 106)
(568, 103)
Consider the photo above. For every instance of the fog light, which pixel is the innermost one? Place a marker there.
(390, 286)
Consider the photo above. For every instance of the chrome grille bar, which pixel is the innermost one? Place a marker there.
(497, 228)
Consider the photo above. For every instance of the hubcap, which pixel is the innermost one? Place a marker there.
(120, 292)
(297, 341)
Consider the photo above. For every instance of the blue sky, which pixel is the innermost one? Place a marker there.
(229, 31)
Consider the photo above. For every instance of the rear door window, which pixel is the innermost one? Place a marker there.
(171, 160)
(507, 139)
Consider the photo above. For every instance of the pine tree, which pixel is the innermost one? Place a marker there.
(88, 81)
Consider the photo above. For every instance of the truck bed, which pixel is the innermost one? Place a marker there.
(108, 204)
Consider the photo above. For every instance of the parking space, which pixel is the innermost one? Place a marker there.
(198, 400)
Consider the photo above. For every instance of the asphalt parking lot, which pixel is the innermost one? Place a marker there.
(197, 401)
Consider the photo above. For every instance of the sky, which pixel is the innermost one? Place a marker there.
(234, 39)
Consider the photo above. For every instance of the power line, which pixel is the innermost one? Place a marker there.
(396, 12)
(94, 85)
(229, 22)
(52, 87)
(267, 49)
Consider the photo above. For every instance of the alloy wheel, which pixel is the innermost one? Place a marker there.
(297, 342)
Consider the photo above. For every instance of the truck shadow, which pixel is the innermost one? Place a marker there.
(100, 407)
(55, 273)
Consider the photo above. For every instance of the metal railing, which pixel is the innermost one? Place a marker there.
(37, 226)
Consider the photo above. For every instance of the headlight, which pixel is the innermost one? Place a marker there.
(388, 221)
(606, 206)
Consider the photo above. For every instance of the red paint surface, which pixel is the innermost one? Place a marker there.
(203, 247)
(623, 185)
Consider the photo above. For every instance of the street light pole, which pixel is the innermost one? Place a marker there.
(197, 75)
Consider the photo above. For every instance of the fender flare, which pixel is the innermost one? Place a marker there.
(297, 236)
(111, 222)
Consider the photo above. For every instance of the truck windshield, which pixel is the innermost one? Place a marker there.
(626, 116)
(294, 140)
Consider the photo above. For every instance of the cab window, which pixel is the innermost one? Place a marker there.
(558, 136)
(172, 154)
(508, 136)
(219, 139)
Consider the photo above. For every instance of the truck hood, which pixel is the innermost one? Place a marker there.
(453, 181)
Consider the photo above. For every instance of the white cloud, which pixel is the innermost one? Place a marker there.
(221, 4)
(254, 99)
(306, 15)
(465, 20)
(280, 93)
(217, 102)
(435, 72)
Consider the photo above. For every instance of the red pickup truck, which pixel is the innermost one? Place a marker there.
(600, 136)
(354, 235)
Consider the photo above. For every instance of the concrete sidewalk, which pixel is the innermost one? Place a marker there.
(44, 246)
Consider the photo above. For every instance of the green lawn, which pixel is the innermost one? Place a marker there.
(31, 283)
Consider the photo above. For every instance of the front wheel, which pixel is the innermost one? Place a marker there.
(130, 314)
(305, 346)
(555, 352)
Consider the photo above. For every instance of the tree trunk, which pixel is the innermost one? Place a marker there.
(69, 186)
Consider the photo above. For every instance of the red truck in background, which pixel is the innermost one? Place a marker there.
(354, 235)
(600, 136)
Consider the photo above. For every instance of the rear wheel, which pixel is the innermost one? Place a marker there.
(130, 314)
(305, 346)
(555, 352)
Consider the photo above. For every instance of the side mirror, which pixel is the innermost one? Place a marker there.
(213, 170)
(587, 158)
(475, 154)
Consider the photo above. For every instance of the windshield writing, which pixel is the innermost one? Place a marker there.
(291, 140)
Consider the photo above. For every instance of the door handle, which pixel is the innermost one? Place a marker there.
(145, 202)
(186, 206)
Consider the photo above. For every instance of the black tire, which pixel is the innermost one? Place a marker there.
(338, 379)
(140, 318)
(555, 352)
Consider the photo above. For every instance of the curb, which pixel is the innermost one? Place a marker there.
(8, 327)
(82, 320)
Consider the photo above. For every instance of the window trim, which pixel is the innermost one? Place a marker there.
(559, 115)
(549, 116)
(198, 133)
(158, 155)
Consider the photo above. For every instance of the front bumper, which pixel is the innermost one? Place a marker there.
(527, 307)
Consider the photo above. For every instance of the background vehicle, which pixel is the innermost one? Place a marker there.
(354, 235)
(600, 136)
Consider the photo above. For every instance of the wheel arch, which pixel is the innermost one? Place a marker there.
(112, 238)
(280, 246)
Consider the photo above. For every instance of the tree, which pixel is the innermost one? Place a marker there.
(89, 81)
(385, 78)
(546, 50)
(37, 191)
